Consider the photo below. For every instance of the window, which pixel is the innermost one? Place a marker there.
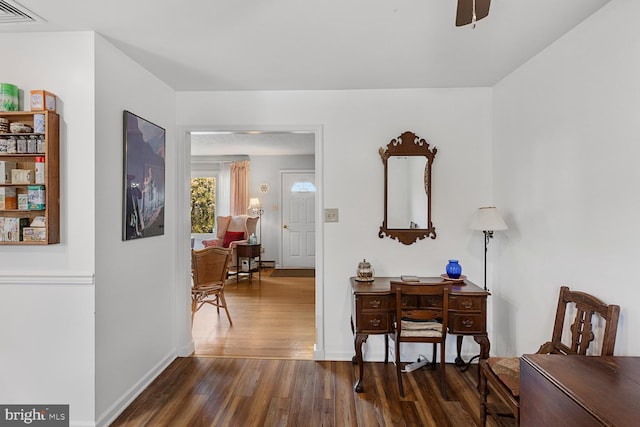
(203, 200)
(303, 187)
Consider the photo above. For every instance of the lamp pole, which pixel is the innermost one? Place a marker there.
(487, 235)
(259, 212)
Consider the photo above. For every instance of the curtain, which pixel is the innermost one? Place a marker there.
(239, 187)
(223, 194)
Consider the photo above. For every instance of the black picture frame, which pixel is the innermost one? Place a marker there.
(144, 178)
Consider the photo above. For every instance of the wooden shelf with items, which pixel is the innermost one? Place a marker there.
(46, 153)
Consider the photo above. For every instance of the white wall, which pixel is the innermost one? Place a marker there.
(267, 169)
(565, 151)
(135, 286)
(354, 125)
(63, 337)
(47, 292)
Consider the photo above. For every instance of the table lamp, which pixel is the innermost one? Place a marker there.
(256, 208)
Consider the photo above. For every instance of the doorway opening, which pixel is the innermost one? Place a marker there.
(251, 301)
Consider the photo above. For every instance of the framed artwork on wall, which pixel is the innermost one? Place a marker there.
(144, 170)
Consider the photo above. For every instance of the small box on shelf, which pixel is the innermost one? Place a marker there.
(41, 100)
(34, 234)
(23, 201)
(11, 229)
(8, 198)
(5, 171)
(22, 176)
(36, 197)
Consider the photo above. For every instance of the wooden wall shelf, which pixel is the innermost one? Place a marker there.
(51, 154)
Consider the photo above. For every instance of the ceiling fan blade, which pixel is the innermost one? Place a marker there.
(464, 14)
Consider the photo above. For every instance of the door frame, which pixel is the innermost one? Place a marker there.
(184, 340)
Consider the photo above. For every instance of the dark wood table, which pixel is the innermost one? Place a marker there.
(580, 391)
(373, 306)
(249, 251)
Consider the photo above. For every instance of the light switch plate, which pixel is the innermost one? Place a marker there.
(331, 215)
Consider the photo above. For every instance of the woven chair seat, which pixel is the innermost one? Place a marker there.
(421, 329)
(507, 369)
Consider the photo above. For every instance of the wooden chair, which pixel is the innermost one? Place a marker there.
(420, 317)
(209, 268)
(502, 374)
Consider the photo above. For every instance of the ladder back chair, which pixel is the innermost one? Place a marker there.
(502, 374)
(420, 317)
(209, 268)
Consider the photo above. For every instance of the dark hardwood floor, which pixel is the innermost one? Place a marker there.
(207, 391)
(260, 373)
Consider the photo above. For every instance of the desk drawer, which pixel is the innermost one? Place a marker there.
(465, 303)
(374, 322)
(374, 302)
(466, 323)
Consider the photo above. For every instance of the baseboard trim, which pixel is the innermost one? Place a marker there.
(187, 349)
(109, 416)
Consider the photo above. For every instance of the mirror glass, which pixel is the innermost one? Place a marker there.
(407, 197)
(407, 164)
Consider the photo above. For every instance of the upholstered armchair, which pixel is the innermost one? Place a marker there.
(232, 230)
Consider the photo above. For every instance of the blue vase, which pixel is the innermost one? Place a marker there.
(454, 270)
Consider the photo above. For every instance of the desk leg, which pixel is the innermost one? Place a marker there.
(459, 362)
(483, 340)
(360, 338)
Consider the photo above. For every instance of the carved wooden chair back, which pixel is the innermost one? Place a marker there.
(421, 317)
(502, 374)
(209, 268)
(582, 328)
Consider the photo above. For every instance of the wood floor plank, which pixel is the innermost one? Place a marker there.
(278, 412)
(387, 391)
(423, 396)
(345, 409)
(302, 399)
(457, 416)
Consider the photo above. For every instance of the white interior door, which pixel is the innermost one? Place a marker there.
(298, 219)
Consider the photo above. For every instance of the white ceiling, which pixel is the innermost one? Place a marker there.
(323, 45)
(328, 44)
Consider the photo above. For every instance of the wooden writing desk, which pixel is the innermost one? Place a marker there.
(579, 391)
(373, 306)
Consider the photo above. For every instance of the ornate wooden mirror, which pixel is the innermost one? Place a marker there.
(407, 163)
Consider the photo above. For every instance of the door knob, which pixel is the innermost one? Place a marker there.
(285, 226)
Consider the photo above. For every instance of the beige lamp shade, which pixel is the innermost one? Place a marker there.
(488, 219)
(254, 204)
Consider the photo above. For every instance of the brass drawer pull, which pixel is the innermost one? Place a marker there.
(375, 322)
(466, 304)
(467, 323)
(375, 303)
